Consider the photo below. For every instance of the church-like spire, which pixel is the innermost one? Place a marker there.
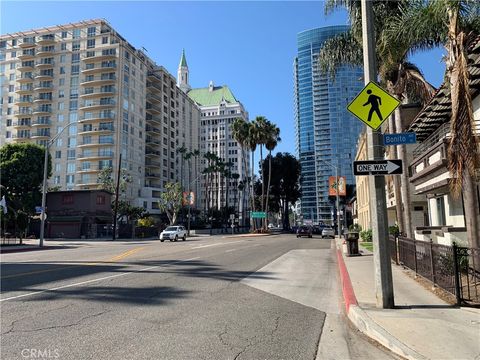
(182, 74)
(183, 60)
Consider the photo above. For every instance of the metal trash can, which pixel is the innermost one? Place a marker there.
(352, 243)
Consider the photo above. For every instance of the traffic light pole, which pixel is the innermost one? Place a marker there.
(378, 205)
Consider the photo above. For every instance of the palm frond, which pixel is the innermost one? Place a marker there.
(342, 49)
(412, 84)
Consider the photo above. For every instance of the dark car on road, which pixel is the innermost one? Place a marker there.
(304, 231)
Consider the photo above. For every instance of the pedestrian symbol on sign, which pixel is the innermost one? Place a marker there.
(373, 105)
(375, 102)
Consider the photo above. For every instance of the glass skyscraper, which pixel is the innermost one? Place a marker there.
(326, 133)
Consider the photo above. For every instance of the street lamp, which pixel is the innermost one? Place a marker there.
(44, 186)
(337, 192)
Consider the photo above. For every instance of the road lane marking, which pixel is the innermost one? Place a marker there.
(91, 281)
(111, 260)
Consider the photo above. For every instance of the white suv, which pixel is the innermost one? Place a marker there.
(173, 233)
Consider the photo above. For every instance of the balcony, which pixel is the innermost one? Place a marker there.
(25, 78)
(96, 155)
(26, 66)
(154, 86)
(92, 130)
(105, 92)
(155, 164)
(98, 80)
(152, 142)
(43, 86)
(95, 105)
(42, 111)
(40, 135)
(90, 168)
(27, 43)
(21, 124)
(97, 117)
(46, 39)
(44, 75)
(27, 54)
(23, 100)
(39, 99)
(98, 69)
(108, 54)
(45, 63)
(152, 175)
(41, 123)
(154, 97)
(46, 51)
(153, 129)
(153, 109)
(24, 89)
(96, 143)
(25, 112)
(152, 153)
(21, 138)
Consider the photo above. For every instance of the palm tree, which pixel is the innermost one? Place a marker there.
(271, 144)
(263, 127)
(402, 78)
(253, 140)
(463, 25)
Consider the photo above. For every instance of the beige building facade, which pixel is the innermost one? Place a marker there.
(91, 96)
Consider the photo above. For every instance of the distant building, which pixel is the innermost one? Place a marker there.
(219, 109)
(77, 214)
(326, 133)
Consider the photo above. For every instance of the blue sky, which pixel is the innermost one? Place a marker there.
(247, 45)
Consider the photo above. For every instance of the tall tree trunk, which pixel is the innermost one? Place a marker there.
(269, 178)
(253, 190)
(405, 184)
(472, 211)
(396, 179)
(263, 187)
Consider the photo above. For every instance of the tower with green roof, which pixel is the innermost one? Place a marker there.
(218, 110)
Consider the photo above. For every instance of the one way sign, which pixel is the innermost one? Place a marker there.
(379, 167)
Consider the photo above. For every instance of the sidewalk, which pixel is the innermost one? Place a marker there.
(422, 326)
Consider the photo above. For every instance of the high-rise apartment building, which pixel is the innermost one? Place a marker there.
(85, 87)
(219, 109)
(326, 133)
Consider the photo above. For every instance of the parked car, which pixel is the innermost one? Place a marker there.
(328, 232)
(304, 231)
(173, 233)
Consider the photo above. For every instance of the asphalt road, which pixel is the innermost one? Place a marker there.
(273, 297)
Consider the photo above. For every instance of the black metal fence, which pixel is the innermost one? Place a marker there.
(453, 268)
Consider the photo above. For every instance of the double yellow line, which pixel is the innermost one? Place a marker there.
(112, 260)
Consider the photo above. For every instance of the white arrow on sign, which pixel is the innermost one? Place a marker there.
(391, 167)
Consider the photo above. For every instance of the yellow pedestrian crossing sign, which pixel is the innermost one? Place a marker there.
(373, 105)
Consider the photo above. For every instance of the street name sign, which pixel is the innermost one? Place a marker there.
(258, 214)
(377, 167)
(373, 105)
(399, 139)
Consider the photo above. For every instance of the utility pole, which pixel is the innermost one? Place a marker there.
(378, 206)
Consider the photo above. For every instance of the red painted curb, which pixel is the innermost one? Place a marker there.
(347, 288)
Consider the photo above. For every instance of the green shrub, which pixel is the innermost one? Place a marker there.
(394, 230)
(366, 235)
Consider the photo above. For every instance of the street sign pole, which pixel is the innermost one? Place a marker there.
(378, 206)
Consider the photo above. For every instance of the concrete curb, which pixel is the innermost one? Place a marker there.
(365, 323)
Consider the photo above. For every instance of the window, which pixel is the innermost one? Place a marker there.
(63, 46)
(64, 34)
(76, 33)
(71, 168)
(441, 218)
(76, 46)
(70, 154)
(90, 43)
(61, 82)
(75, 58)
(100, 199)
(105, 40)
(91, 31)
(58, 154)
(71, 180)
(61, 93)
(58, 167)
(75, 69)
(56, 180)
(67, 199)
